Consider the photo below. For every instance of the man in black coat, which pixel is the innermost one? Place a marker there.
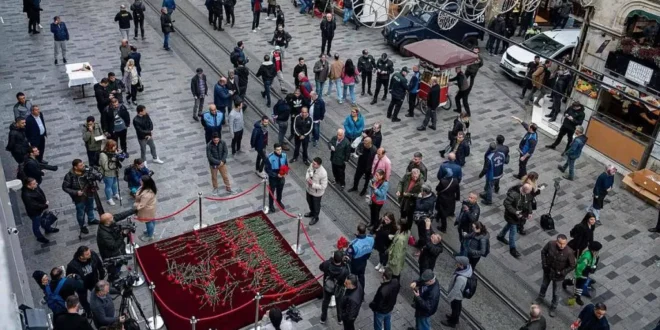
(366, 65)
(335, 273)
(384, 68)
(144, 131)
(110, 240)
(431, 249)
(36, 203)
(199, 89)
(218, 11)
(366, 152)
(353, 299)
(463, 91)
(17, 143)
(573, 117)
(328, 26)
(562, 82)
(71, 320)
(31, 166)
(243, 75)
(115, 121)
(517, 207)
(398, 90)
(89, 266)
(267, 72)
(432, 103)
(426, 297)
(101, 94)
(448, 191)
(385, 298)
(468, 215)
(35, 131)
(557, 260)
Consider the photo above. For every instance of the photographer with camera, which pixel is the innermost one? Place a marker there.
(110, 239)
(110, 163)
(58, 288)
(103, 308)
(115, 120)
(89, 266)
(80, 184)
(134, 173)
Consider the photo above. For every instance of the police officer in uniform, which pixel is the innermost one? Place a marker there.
(384, 68)
(526, 147)
(493, 170)
(398, 89)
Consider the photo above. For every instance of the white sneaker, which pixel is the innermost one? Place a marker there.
(111, 202)
(381, 270)
(377, 267)
(255, 31)
(118, 197)
(215, 192)
(158, 161)
(41, 27)
(259, 28)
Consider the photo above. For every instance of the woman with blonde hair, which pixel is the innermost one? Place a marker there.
(131, 78)
(531, 178)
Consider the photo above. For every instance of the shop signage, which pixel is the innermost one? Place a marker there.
(638, 73)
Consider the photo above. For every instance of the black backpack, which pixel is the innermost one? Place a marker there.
(470, 287)
(547, 223)
(233, 58)
(127, 174)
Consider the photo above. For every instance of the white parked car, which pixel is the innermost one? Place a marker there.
(553, 45)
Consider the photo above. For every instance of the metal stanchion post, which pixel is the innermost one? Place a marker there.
(200, 225)
(131, 246)
(257, 298)
(297, 247)
(265, 207)
(140, 279)
(193, 321)
(155, 322)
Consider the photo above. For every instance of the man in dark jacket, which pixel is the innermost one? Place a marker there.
(300, 67)
(573, 152)
(238, 55)
(124, 19)
(517, 207)
(199, 89)
(463, 91)
(462, 148)
(31, 166)
(526, 147)
(366, 152)
(384, 68)
(33, 10)
(166, 27)
(448, 191)
(398, 90)
(335, 273)
(426, 299)
(70, 287)
(302, 127)
(216, 152)
(472, 69)
(413, 89)
(366, 65)
(450, 169)
(281, 114)
(82, 194)
(561, 86)
(531, 68)
(89, 266)
(468, 215)
(259, 141)
(328, 26)
(115, 122)
(352, 301)
(267, 72)
(296, 103)
(385, 299)
(243, 74)
(416, 162)
(103, 309)
(432, 103)
(36, 203)
(461, 123)
(317, 112)
(536, 320)
(431, 249)
(604, 184)
(35, 131)
(229, 12)
(143, 130)
(497, 26)
(340, 150)
(116, 87)
(17, 143)
(110, 239)
(101, 94)
(71, 320)
(212, 122)
(61, 36)
(573, 117)
(218, 11)
(222, 97)
(138, 10)
(557, 260)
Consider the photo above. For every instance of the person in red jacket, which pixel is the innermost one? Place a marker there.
(305, 86)
(278, 60)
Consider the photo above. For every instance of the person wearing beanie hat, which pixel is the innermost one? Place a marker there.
(90, 130)
(398, 90)
(426, 299)
(277, 321)
(586, 265)
(457, 285)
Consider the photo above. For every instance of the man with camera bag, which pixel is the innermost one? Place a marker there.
(110, 239)
(80, 184)
(335, 273)
(103, 309)
(89, 266)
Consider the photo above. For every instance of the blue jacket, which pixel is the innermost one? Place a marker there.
(319, 109)
(450, 169)
(210, 121)
(575, 149)
(413, 84)
(604, 182)
(259, 137)
(494, 165)
(353, 128)
(169, 4)
(135, 175)
(528, 143)
(221, 96)
(380, 194)
(274, 163)
(60, 33)
(359, 251)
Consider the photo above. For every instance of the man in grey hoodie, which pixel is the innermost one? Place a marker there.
(236, 126)
(459, 280)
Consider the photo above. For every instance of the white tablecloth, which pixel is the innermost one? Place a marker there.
(78, 78)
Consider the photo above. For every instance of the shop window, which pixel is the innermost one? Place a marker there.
(630, 115)
(643, 28)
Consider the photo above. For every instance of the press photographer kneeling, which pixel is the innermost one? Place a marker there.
(110, 238)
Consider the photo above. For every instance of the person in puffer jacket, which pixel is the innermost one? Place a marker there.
(477, 243)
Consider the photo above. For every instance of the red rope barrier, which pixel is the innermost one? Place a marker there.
(168, 216)
(146, 277)
(233, 197)
(294, 290)
(310, 242)
(279, 206)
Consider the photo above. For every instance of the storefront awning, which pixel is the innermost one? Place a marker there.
(647, 15)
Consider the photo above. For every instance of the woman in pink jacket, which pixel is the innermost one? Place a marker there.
(145, 204)
(349, 77)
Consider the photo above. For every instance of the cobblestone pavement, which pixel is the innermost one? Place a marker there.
(628, 277)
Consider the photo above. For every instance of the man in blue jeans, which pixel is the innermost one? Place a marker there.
(35, 204)
(426, 293)
(166, 26)
(267, 73)
(573, 152)
(384, 301)
(517, 207)
(317, 112)
(77, 185)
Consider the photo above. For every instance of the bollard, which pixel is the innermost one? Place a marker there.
(193, 321)
(297, 247)
(140, 279)
(257, 326)
(200, 225)
(155, 322)
(264, 205)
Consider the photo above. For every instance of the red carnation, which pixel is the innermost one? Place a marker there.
(284, 170)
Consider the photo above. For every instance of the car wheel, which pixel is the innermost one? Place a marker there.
(470, 42)
(402, 49)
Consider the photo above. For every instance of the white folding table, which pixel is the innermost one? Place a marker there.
(78, 77)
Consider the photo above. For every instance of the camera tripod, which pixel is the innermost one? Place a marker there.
(128, 303)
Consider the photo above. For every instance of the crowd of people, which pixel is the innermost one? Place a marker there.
(301, 113)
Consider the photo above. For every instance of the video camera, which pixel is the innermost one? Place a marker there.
(125, 284)
(92, 174)
(117, 261)
(117, 158)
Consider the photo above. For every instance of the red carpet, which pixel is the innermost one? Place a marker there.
(211, 272)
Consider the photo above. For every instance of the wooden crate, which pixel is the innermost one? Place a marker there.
(640, 192)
